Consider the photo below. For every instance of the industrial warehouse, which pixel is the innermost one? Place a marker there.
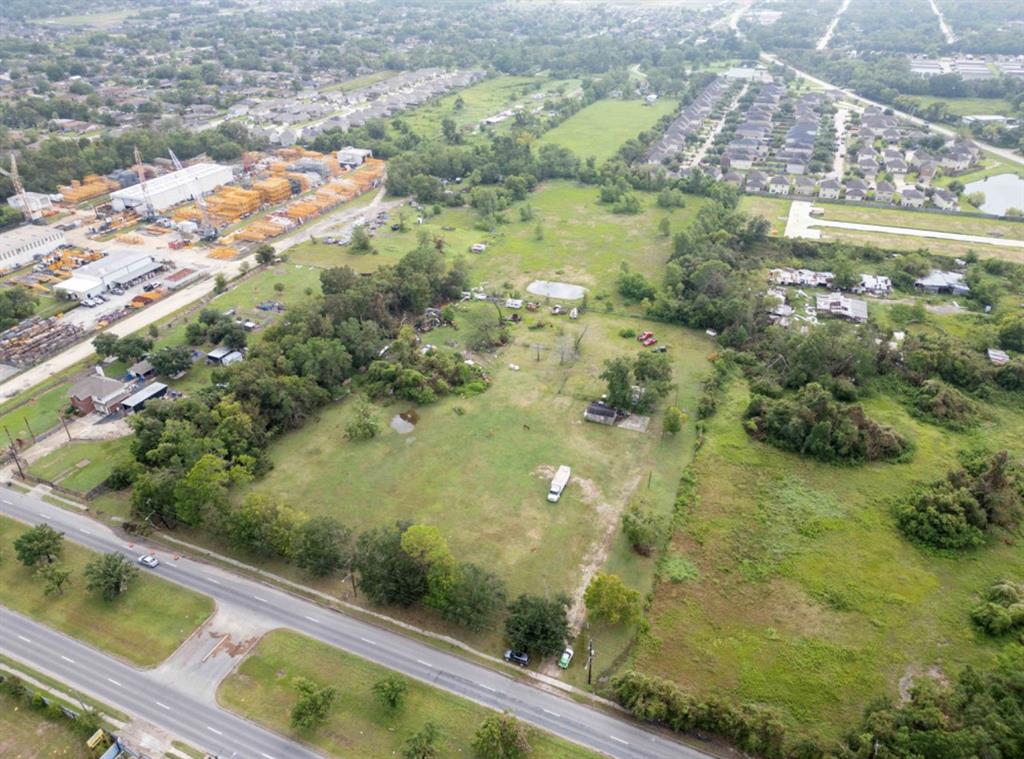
(173, 188)
(24, 244)
(120, 268)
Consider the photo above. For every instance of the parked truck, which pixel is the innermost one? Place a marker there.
(558, 483)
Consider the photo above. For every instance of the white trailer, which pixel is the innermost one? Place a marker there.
(558, 483)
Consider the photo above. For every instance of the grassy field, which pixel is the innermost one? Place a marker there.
(144, 627)
(39, 415)
(941, 222)
(504, 441)
(775, 210)
(991, 165)
(806, 598)
(25, 734)
(261, 690)
(360, 81)
(98, 20)
(903, 242)
(601, 128)
(583, 241)
(486, 98)
(966, 106)
(82, 465)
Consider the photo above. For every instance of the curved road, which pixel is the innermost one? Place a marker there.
(1008, 155)
(183, 715)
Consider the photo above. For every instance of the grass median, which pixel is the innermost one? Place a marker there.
(144, 626)
(261, 690)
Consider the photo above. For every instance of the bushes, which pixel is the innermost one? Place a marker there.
(662, 702)
(956, 512)
(1001, 609)
(814, 424)
(938, 402)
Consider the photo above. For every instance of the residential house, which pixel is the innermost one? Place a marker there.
(884, 192)
(829, 189)
(600, 412)
(959, 160)
(938, 281)
(778, 185)
(837, 304)
(926, 173)
(896, 166)
(856, 196)
(911, 198)
(874, 284)
(801, 277)
(945, 200)
(756, 181)
(97, 393)
(733, 177)
(804, 186)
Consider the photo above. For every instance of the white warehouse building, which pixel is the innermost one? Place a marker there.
(118, 268)
(170, 189)
(27, 243)
(37, 202)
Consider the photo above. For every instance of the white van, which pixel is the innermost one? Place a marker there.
(558, 483)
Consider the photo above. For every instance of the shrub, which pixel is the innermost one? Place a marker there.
(123, 475)
(936, 401)
(677, 568)
(1002, 608)
(814, 424)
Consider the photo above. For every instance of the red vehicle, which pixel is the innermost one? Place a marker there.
(643, 336)
(650, 341)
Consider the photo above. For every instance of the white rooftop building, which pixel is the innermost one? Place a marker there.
(170, 189)
(27, 243)
(350, 156)
(37, 202)
(835, 304)
(118, 268)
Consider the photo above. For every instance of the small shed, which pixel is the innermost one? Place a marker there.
(218, 354)
(141, 369)
(600, 413)
(136, 401)
(232, 358)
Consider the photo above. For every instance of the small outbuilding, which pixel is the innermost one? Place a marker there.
(137, 400)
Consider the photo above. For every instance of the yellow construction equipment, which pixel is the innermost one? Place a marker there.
(92, 186)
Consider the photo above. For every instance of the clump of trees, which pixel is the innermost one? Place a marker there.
(16, 303)
(812, 423)
(753, 728)
(502, 736)
(936, 401)
(982, 714)
(958, 511)
(537, 625)
(608, 598)
(637, 384)
(1001, 609)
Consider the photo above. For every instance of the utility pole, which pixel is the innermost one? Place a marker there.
(30, 432)
(64, 421)
(14, 453)
(590, 659)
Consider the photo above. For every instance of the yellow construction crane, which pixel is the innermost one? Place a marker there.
(19, 190)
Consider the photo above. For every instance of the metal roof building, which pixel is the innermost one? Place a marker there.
(119, 267)
(170, 189)
(21, 245)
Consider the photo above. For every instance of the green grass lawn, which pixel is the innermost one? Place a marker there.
(966, 106)
(261, 690)
(941, 222)
(82, 465)
(486, 98)
(27, 734)
(775, 210)
(583, 241)
(39, 414)
(477, 468)
(933, 245)
(601, 128)
(807, 597)
(144, 626)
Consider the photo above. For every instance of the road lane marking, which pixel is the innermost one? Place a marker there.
(22, 637)
(553, 714)
(212, 580)
(212, 730)
(115, 682)
(84, 531)
(8, 503)
(312, 620)
(425, 664)
(163, 706)
(488, 687)
(624, 743)
(70, 661)
(266, 756)
(367, 640)
(261, 600)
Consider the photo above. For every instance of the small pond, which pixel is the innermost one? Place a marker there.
(1001, 192)
(559, 290)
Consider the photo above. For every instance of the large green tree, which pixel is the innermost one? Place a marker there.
(501, 736)
(110, 575)
(37, 544)
(313, 704)
(537, 625)
(323, 546)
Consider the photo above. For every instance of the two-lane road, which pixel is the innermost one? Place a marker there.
(598, 730)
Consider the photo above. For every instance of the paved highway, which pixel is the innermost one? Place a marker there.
(590, 727)
(138, 693)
